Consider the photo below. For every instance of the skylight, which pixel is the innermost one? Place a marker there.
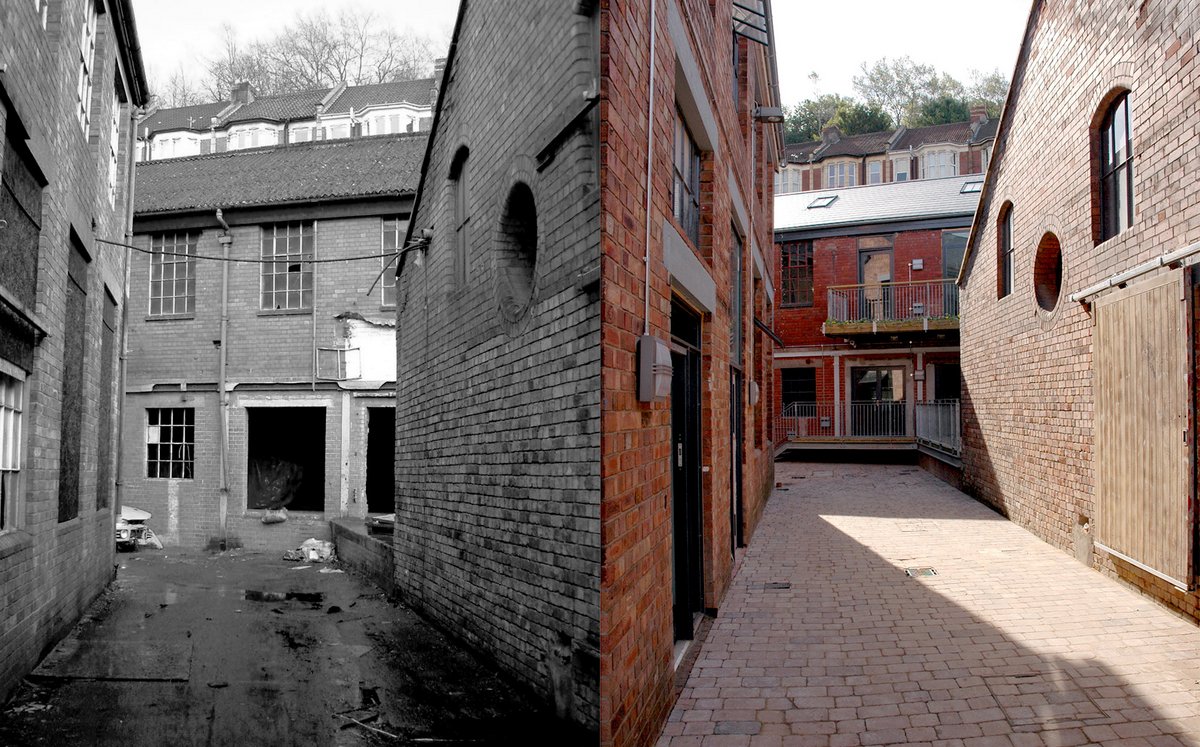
(971, 187)
(822, 202)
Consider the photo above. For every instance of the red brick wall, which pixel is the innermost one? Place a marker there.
(635, 622)
(1028, 402)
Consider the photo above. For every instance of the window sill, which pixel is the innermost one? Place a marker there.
(285, 312)
(13, 542)
(171, 318)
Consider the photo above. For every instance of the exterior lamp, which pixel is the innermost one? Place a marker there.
(768, 114)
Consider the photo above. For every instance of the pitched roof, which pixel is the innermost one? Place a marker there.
(376, 94)
(305, 172)
(866, 144)
(986, 131)
(877, 203)
(954, 132)
(197, 118)
(799, 152)
(285, 106)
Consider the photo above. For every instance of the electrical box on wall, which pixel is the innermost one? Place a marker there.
(654, 369)
(918, 264)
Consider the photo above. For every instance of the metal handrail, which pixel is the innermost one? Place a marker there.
(939, 425)
(891, 302)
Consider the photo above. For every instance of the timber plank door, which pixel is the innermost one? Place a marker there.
(1142, 360)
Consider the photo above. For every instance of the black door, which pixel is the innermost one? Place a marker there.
(687, 557)
(381, 456)
(737, 455)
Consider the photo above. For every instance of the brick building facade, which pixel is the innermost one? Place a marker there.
(303, 351)
(70, 80)
(1079, 299)
(868, 315)
(901, 155)
(535, 497)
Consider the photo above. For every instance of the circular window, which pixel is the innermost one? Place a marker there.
(1048, 272)
(517, 254)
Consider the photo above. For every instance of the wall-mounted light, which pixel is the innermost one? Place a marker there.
(768, 114)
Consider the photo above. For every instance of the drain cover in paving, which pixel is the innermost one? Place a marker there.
(1045, 701)
(923, 570)
(777, 585)
(74, 659)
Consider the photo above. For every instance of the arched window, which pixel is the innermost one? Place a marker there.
(517, 260)
(1116, 169)
(1004, 251)
(459, 215)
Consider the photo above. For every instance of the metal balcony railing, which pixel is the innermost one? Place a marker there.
(894, 302)
(862, 420)
(939, 426)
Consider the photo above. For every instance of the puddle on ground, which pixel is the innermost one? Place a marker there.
(308, 597)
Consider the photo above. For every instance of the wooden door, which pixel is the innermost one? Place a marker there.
(1143, 460)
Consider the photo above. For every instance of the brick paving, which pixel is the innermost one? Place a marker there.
(823, 640)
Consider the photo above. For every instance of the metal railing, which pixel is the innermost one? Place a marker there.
(818, 421)
(800, 421)
(939, 426)
(878, 420)
(894, 302)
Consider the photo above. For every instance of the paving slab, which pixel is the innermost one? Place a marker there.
(878, 605)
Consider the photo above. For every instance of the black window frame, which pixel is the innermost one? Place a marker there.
(795, 283)
(1004, 251)
(793, 390)
(1116, 170)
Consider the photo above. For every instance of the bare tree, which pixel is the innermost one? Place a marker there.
(317, 51)
(178, 90)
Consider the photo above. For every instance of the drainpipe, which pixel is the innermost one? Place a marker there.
(123, 368)
(226, 240)
(649, 164)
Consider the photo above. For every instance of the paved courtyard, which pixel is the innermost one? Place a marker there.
(825, 641)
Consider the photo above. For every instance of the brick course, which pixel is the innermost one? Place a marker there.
(50, 570)
(1028, 423)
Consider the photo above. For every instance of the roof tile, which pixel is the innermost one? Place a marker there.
(328, 169)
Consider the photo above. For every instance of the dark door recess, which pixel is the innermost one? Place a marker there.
(687, 539)
(381, 460)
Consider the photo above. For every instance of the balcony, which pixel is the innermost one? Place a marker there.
(875, 308)
(883, 423)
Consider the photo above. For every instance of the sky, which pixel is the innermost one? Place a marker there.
(830, 37)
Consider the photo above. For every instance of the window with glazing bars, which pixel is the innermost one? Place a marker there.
(170, 442)
(1116, 170)
(87, 61)
(11, 406)
(796, 269)
(393, 234)
(287, 279)
(173, 274)
(685, 193)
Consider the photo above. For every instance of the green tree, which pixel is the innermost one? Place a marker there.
(897, 86)
(940, 110)
(855, 118)
(989, 90)
(805, 120)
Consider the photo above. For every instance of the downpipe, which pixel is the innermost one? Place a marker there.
(226, 240)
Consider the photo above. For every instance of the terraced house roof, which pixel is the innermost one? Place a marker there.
(197, 118)
(395, 92)
(308, 172)
(299, 105)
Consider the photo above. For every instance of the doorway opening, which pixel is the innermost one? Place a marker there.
(381, 456)
(285, 458)
(877, 402)
(686, 496)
